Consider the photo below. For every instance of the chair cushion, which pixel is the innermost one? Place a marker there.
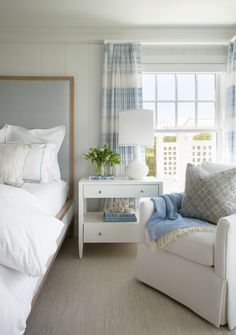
(196, 247)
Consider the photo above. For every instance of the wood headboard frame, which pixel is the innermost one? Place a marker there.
(71, 111)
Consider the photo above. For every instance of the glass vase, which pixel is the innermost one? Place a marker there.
(100, 169)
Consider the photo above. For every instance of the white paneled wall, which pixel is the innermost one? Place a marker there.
(85, 63)
(82, 61)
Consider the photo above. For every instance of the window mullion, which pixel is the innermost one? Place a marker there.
(176, 102)
(156, 113)
(217, 101)
(196, 101)
(218, 116)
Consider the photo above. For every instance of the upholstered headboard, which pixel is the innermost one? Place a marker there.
(42, 102)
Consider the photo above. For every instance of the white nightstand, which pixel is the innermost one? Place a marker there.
(92, 228)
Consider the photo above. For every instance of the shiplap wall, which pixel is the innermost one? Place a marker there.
(85, 63)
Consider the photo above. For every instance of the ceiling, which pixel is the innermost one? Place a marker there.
(115, 13)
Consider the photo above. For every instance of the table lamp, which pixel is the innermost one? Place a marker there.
(136, 129)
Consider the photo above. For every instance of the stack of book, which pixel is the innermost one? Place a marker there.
(101, 177)
(119, 217)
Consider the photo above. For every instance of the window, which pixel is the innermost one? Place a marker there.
(186, 118)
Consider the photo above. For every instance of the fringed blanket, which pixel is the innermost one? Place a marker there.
(166, 225)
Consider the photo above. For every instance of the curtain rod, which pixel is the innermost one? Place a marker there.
(167, 43)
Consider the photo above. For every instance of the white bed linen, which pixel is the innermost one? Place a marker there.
(27, 232)
(52, 195)
(13, 312)
(17, 291)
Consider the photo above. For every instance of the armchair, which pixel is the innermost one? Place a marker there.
(198, 270)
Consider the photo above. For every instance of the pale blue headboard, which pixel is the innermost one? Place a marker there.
(41, 102)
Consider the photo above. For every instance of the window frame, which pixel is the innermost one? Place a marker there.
(219, 103)
(218, 117)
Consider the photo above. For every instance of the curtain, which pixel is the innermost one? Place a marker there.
(122, 90)
(230, 108)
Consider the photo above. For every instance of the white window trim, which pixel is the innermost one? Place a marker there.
(195, 101)
(218, 112)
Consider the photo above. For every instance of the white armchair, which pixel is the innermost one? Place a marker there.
(198, 270)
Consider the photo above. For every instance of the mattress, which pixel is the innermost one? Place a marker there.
(52, 195)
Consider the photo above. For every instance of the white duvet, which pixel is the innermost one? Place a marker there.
(13, 312)
(28, 236)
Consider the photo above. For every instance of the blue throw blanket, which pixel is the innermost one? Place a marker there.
(167, 225)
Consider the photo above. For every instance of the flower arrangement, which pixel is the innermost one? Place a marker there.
(102, 157)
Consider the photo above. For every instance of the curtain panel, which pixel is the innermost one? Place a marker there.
(122, 90)
(230, 108)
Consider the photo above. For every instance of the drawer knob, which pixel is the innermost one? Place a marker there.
(99, 191)
(142, 191)
(100, 234)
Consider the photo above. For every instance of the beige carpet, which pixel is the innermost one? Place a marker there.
(99, 296)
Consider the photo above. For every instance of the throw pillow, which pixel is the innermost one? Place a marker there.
(207, 196)
(216, 167)
(51, 136)
(12, 160)
(38, 167)
(3, 134)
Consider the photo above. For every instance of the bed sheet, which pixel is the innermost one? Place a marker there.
(52, 195)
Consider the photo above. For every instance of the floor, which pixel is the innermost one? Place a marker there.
(98, 295)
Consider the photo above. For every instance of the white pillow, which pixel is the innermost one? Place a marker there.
(3, 134)
(12, 159)
(39, 164)
(35, 136)
(28, 234)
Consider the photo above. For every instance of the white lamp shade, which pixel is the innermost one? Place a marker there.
(136, 127)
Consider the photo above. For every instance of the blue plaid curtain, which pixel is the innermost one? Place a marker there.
(122, 90)
(230, 109)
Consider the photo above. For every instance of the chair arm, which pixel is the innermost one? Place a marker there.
(225, 247)
(146, 209)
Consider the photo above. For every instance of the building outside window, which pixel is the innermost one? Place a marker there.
(186, 118)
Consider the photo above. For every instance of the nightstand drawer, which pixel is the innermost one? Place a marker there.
(111, 232)
(121, 191)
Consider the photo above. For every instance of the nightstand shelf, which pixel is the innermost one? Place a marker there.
(92, 228)
(97, 217)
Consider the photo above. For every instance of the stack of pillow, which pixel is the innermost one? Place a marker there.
(29, 155)
(210, 192)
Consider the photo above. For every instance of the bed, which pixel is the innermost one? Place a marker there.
(39, 210)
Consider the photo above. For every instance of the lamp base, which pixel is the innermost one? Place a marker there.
(136, 170)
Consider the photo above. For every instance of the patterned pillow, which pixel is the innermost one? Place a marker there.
(207, 196)
(216, 167)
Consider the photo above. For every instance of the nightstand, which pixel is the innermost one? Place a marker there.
(92, 228)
